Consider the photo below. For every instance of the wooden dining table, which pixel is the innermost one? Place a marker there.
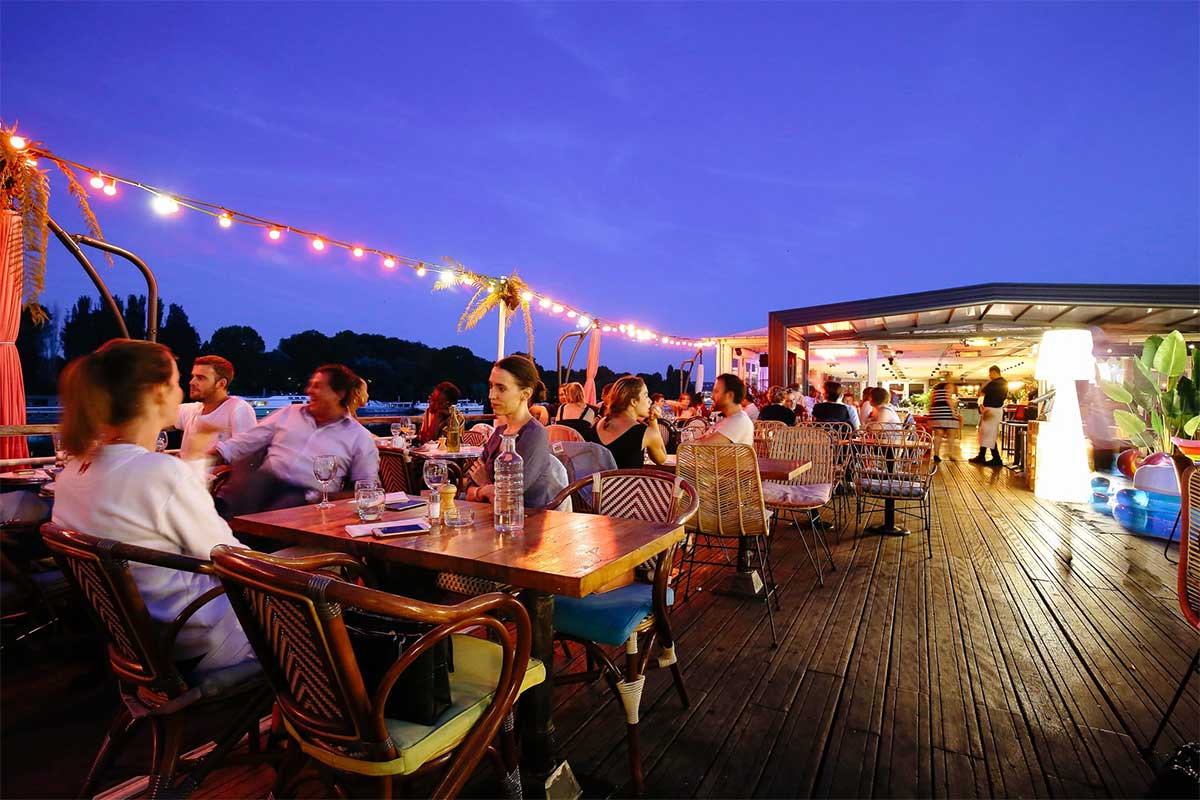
(562, 553)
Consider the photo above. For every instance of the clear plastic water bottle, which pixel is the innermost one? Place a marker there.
(509, 473)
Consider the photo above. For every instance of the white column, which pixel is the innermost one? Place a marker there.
(872, 365)
(500, 335)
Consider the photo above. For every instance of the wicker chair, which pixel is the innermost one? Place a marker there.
(843, 436)
(894, 464)
(484, 428)
(808, 493)
(293, 618)
(474, 438)
(140, 654)
(563, 433)
(1188, 586)
(732, 515)
(395, 471)
(768, 425)
(635, 615)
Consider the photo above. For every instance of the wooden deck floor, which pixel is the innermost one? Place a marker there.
(1031, 656)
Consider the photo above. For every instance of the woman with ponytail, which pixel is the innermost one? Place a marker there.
(622, 431)
(115, 402)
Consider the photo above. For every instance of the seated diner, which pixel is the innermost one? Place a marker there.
(735, 426)
(622, 430)
(433, 421)
(776, 410)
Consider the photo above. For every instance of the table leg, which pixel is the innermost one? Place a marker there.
(746, 580)
(537, 726)
(888, 528)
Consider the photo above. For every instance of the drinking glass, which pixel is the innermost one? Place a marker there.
(369, 502)
(435, 473)
(367, 483)
(323, 469)
(397, 432)
(161, 445)
(60, 451)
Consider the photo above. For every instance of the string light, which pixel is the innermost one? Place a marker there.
(166, 204)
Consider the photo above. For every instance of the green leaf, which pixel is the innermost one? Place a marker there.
(1116, 392)
(1188, 396)
(1190, 426)
(1149, 349)
(1170, 359)
(1160, 428)
(1144, 380)
(1130, 424)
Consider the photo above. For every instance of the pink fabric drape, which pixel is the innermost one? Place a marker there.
(12, 384)
(593, 365)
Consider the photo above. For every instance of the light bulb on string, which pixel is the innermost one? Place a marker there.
(111, 189)
(421, 271)
(571, 315)
(544, 302)
(17, 142)
(274, 234)
(556, 308)
(164, 205)
(224, 221)
(389, 262)
(526, 296)
(584, 322)
(358, 252)
(318, 243)
(96, 182)
(447, 277)
(467, 280)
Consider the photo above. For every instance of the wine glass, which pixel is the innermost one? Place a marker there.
(160, 446)
(60, 451)
(435, 473)
(397, 430)
(323, 469)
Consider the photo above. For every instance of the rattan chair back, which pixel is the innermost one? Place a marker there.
(394, 471)
(293, 619)
(893, 460)
(806, 443)
(99, 570)
(729, 487)
(1189, 541)
(474, 438)
(645, 494)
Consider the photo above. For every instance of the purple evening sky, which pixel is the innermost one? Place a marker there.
(686, 167)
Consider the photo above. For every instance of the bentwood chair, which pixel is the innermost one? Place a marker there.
(808, 493)
(638, 615)
(474, 438)
(154, 688)
(293, 619)
(894, 464)
(732, 516)
(395, 472)
(1188, 585)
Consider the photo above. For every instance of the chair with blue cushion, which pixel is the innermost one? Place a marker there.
(637, 615)
(293, 619)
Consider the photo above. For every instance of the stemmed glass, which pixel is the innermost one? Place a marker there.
(435, 473)
(60, 451)
(397, 431)
(323, 469)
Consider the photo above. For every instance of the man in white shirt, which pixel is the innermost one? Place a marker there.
(735, 426)
(290, 440)
(215, 416)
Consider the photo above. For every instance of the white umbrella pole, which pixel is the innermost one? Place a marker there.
(500, 334)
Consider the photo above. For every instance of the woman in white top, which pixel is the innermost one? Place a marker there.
(882, 412)
(115, 401)
(572, 406)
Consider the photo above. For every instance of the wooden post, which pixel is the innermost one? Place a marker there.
(777, 348)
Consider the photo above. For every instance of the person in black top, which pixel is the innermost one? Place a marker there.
(775, 410)
(621, 429)
(831, 410)
(991, 410)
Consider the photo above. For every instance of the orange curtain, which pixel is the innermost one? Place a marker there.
(12, 384)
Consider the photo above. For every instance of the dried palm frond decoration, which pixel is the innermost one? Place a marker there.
(26, 189)
(490, 293)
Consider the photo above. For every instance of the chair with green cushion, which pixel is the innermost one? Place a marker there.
(638, 615)
(294, 620)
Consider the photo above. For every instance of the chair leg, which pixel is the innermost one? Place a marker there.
(811, 559)
(819, 537)
(168, 737)
(1171, 538)
(668, 658)
(1162, 725)
(630, 691)
(288, 769)
(510, 778)
(114, 742)
(767, 594)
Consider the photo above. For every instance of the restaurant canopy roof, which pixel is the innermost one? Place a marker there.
(1116, 308)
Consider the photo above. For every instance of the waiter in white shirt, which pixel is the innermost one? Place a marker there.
(214, 416)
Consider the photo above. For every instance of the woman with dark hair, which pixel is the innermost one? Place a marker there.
(433, 421)
(944, 420)
(775, 410)
(510, 385)
(621, 430)
(115, 402)
(536, 409)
